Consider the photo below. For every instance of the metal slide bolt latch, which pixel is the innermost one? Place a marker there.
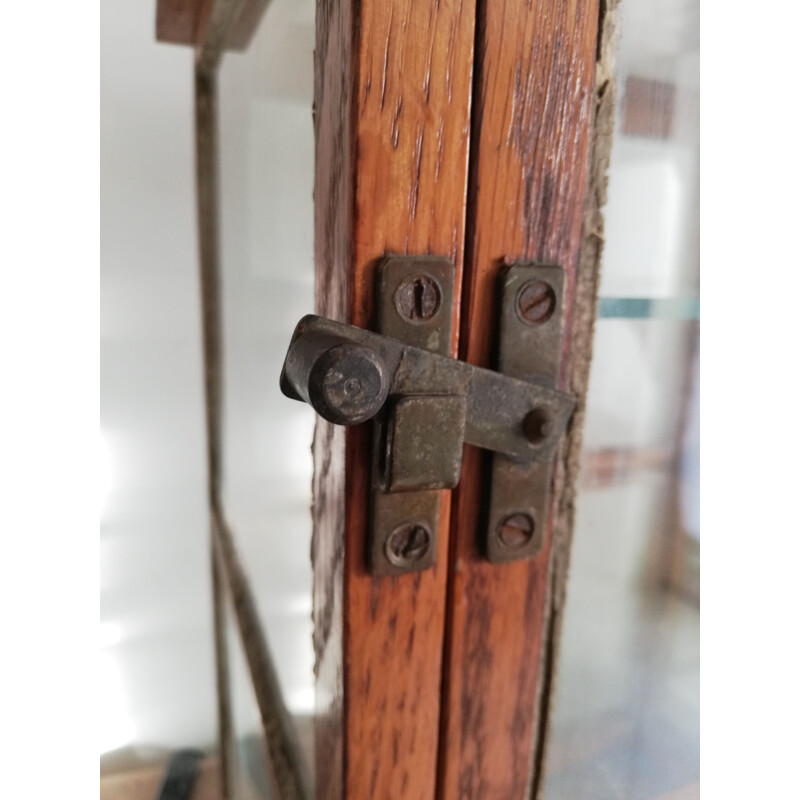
(426, 406)
(348, 374)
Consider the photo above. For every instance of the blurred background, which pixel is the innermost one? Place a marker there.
(627, 706)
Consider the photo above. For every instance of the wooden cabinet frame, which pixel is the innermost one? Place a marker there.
(385, 139)
(480, 131)
(392, 103)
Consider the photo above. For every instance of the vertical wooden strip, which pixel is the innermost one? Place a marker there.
(584, 312)
(534, 73)
(392, 98)
(334, 192)
(206, 190)
(222, 678)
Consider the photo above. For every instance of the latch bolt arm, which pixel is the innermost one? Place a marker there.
(347, 374)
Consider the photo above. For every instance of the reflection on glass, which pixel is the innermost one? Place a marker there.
(266, 207)
(248, 762)
(626, 716)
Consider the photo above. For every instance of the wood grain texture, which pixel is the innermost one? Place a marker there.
(534, 76)
(581, 341)
(392, 98)
(334, 192)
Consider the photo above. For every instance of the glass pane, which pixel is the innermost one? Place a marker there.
(248, 764)
(626, 717)
(266, 258)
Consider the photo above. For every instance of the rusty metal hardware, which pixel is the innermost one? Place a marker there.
(414, 302)
(528, 347)
(426, 405)
(497, 406)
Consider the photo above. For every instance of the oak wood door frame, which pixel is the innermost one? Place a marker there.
(531, 123)
(392, 125)
(408, 706)
(436, 684)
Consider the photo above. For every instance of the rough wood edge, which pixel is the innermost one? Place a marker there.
(581, 346)
(334, 118)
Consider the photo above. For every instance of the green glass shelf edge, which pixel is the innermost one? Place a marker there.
(677, 308)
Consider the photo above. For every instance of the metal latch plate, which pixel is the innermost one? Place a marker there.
(531, 311)
(425, 405)
(414, 301)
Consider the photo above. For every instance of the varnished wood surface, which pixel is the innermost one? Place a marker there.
(534, 73)
(176, 20)
(181, 22)
(392, 99)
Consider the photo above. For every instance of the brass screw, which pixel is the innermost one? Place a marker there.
(407, 544)
(418, 298)
(516, 530)
(536, 302)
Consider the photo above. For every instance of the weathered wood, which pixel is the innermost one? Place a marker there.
(534, 78)
(182, 21)
(392, 97)
(581, 342)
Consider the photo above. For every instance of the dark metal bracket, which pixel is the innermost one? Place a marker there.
(531, 319)
(414, 303)
(425, 405)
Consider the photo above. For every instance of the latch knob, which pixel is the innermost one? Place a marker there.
(347, 384)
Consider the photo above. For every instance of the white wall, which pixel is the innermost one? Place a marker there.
(156, 649)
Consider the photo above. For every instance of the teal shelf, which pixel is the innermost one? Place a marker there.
(677, 308)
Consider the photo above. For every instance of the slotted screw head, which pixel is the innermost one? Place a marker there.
(418, 298)
(407, 544)
(516, 530)
(536, 302)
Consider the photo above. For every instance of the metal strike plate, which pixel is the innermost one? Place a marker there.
(414, 302)
(531, 317)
